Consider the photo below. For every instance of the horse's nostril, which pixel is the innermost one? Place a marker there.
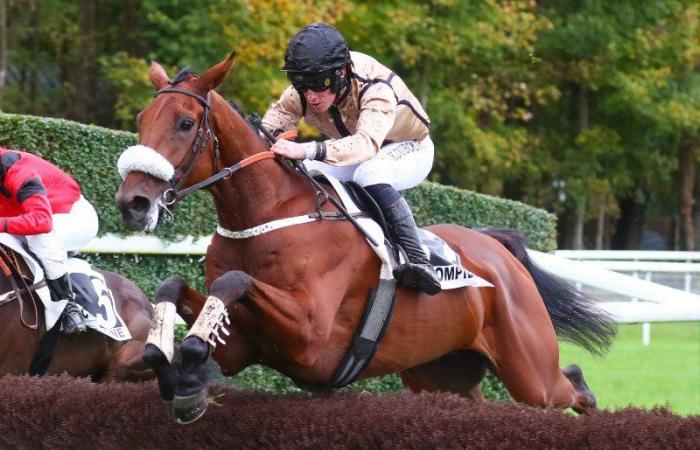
(139, 204)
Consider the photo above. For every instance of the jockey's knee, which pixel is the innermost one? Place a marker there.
(368, 174)
(51, 254)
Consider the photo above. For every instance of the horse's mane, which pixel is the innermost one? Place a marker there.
(251, 119)
(238, 109)
(182, 75)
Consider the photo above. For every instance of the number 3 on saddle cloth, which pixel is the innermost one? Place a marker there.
(91, 294)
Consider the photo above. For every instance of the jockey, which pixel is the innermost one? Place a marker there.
(379, 132)
(43, 204)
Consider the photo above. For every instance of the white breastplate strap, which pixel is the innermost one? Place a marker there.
(266, 227)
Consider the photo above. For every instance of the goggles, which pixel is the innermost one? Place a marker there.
(305, 82)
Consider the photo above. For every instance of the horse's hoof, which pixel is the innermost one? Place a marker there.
(592, 402)
(189, 408)
(575, 374)
(154, 357)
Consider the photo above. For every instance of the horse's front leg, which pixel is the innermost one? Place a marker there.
(180, 384)
(182, 379)
(291, 323)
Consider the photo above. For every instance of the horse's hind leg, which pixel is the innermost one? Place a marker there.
(459, 372)
(527, 361)
(586, 398)
(524, 349)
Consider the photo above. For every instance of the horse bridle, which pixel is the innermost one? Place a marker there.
(204, 134)
(201, 139)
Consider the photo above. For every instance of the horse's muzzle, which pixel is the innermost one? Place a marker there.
(135, 211)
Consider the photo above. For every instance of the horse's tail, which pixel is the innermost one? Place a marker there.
(575, 316)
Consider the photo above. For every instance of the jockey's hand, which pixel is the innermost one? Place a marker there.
(289, 149)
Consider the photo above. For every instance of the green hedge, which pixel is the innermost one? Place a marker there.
(90, 154)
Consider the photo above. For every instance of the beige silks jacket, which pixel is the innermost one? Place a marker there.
(378, 109)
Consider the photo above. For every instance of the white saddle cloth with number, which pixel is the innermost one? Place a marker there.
(92, 294)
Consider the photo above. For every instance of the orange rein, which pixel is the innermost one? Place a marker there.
(171, 195)
(267, 154)
(288, 135)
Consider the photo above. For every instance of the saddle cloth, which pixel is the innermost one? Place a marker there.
(444, 259)
(91, 294)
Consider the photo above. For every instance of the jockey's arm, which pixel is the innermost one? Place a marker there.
(26, 188)
(377, 114)
(284, 114)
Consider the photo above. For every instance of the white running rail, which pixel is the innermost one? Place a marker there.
(631, 255)
(659, 303)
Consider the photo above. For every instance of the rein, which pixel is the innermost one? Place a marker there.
(175, 194)
(225, 173)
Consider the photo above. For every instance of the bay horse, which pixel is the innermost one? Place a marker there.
(91, 354)
(295, 295)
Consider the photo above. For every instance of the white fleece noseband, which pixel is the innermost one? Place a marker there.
(144, 159)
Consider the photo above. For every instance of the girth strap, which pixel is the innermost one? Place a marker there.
(375, 321)
(280, 223)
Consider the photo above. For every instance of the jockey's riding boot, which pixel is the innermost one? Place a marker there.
(417, 272)
(72, 321)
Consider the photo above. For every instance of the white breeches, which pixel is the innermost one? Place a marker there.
(71, 231)
(402, 165)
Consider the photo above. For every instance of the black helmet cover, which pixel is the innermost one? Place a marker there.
(314, 58)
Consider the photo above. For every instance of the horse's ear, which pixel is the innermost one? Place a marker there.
(158, 76)
(215, 75)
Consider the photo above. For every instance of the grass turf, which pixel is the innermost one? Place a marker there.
(665, 373)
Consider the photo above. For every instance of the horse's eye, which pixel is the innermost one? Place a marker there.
(186, 124)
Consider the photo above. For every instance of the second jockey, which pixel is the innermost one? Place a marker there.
(43, 204)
